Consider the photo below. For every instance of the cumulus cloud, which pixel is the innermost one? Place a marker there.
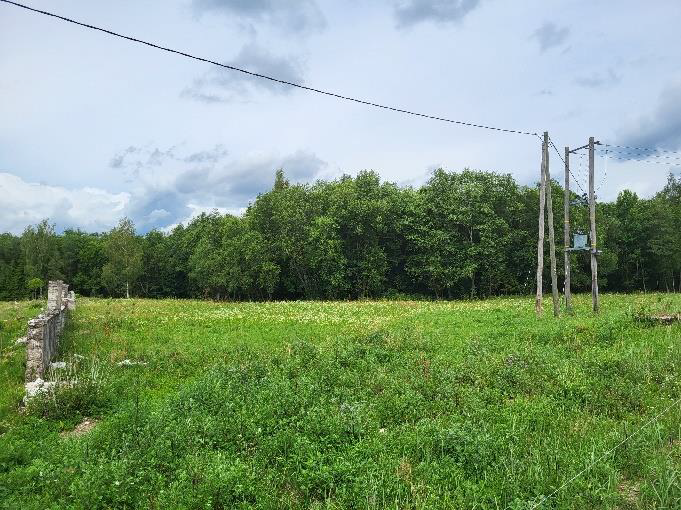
(412, 12)
(169, 187)
(25, 203)
(298, 16)
(203, 184)
(661, 128)
(223, 85)
(549, 35)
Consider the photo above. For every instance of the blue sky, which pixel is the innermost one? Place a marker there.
(94, 127)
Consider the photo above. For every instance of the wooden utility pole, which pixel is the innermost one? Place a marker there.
(592, 219)
(566, 232)
(552, 238)
(540, 242)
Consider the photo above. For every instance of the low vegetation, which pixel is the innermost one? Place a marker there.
(382, 404)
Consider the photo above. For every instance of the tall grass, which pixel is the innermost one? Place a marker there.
(355, 405)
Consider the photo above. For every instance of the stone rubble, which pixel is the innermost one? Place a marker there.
(129, 363)
(38, 386)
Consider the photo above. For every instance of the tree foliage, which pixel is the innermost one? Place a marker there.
(460, 235)
(124, 259)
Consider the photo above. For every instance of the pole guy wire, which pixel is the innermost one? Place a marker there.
(561, 158)
(606, 454)
(264, 76)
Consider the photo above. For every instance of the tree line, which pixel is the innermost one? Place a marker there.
(463, 234)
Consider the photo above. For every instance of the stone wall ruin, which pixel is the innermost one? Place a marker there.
(44, 330)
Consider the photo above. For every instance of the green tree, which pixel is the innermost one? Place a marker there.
(158, 272)
(83, 258)
(631, 241)
(124, 258)
(665, 243)
(33, 285)
(41, 253)
(12, 266)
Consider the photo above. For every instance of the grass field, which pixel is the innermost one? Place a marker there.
(348, 405)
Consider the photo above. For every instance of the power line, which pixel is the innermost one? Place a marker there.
(605, 171)
(621, 154)
(601, 154)
(266, 77)
(642, 161)
(583, 155)
(649, 149)
(582, 171)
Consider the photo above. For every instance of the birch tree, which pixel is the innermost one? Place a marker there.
(124, 256)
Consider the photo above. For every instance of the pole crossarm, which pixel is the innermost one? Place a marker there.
(573, 151)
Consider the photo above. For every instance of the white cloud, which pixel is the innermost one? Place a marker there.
(25, 203)
(167, 188)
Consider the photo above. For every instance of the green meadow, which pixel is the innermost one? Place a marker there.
(365, 404)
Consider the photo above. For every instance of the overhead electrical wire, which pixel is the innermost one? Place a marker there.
(649, 149)
(640, 161)
(569, 169)
(601, 153)
(267, 77)
(582, 172)
(640, 156)
(605, 171)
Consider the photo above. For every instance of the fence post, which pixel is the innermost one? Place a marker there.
(34, 348)
(54, 295)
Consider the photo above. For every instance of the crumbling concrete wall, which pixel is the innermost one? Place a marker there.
(44, 330)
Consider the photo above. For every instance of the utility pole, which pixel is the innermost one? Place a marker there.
(552, 239)
(592, 219)
(566, 232)
(540, 242)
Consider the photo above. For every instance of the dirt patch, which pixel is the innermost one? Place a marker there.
(404, 470)
(81, 429)
(630, 492)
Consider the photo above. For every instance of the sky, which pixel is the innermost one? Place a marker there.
(95, 128)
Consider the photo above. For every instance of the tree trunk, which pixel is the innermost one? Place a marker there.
(127, 290)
